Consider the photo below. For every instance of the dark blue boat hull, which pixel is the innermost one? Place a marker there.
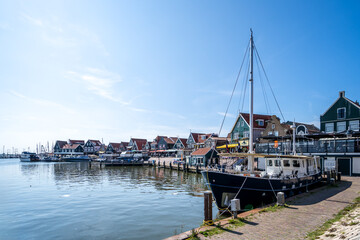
(255, 191)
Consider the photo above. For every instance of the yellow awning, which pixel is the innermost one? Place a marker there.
(229, 146)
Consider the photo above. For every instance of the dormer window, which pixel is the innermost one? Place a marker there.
(260, 122)
(341, 113)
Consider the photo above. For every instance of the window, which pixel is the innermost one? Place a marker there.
(341, 126)
(276, 133)
(277, 163)
(286, 163)
(341, 113)
(260, 122)
(354, 125)
(242, 123)
(270, 163)
(329, 127)
(236, 135)
(296, 163)
(273, 126)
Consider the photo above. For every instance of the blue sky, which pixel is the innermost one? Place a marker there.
(121, 69)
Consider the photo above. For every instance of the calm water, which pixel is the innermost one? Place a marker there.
(73, 201)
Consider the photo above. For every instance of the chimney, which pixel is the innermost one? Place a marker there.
(342, 94)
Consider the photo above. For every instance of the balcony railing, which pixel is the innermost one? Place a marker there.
(315, 146)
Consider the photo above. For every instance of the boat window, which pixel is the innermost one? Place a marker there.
(296, 163)
(270, 163)
(277, 163)
(286, 163)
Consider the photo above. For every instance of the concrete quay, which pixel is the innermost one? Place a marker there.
(304, 213)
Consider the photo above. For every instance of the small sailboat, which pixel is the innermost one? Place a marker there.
(290, 174)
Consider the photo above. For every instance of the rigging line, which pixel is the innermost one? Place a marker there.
(266, 101)
(247, 77)
(256, 51)
(232, 94)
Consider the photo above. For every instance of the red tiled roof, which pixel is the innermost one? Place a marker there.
(115, 145)
(201, 140)
(196, 136)
(82, 142)
(183, 141)
(96, 142)
(157, 139)
(246, 116)
(68, 146)
(168, 140)
(125, 144)
(61, 143)
(201, 151)
(140, 143)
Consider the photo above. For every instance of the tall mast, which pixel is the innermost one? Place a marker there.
(251, 119)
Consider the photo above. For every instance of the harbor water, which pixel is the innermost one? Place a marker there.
(75, 201)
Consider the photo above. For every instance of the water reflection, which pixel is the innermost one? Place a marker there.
(69, 197)
(136, 177)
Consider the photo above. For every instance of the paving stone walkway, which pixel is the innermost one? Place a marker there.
(304, 214)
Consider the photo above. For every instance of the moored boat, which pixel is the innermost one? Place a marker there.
(290, 174)
(76, 158)
(29, 157)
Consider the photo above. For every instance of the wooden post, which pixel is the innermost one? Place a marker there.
(178, 166)
(197, 168)
(328, 177)
(170, 166)
(164, 164)
(159, 163)
(208, 208)
(339, 176)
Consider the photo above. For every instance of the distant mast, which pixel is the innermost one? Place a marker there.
(251, 120)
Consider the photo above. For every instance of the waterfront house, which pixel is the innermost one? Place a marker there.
(113, 148)
(148, 145)
(137, 144)
(123, 146)
(241, 128)
(180, 143)
(204, 157)
(59, 146)
(193, 139)
(213, 142)
(72, 149)
(92, 146)
(342, 115)
(154, 144)
(166, 143)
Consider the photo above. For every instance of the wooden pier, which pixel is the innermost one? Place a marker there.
(165, 163)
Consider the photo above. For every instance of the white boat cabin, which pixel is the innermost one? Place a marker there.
(278, 167)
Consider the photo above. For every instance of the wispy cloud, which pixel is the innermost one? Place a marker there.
(228, 114)
(58, 33)
(32, 20)
(42, 102)
(100, 82)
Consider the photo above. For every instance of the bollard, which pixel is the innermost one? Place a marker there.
(332, 181)
(164, 164)
(280, 197)
(235, 207)
(328, 177)
(170, 166)
(197, 168)
(159, 163)
(339, 176)
(208, 208)
(187, 167)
